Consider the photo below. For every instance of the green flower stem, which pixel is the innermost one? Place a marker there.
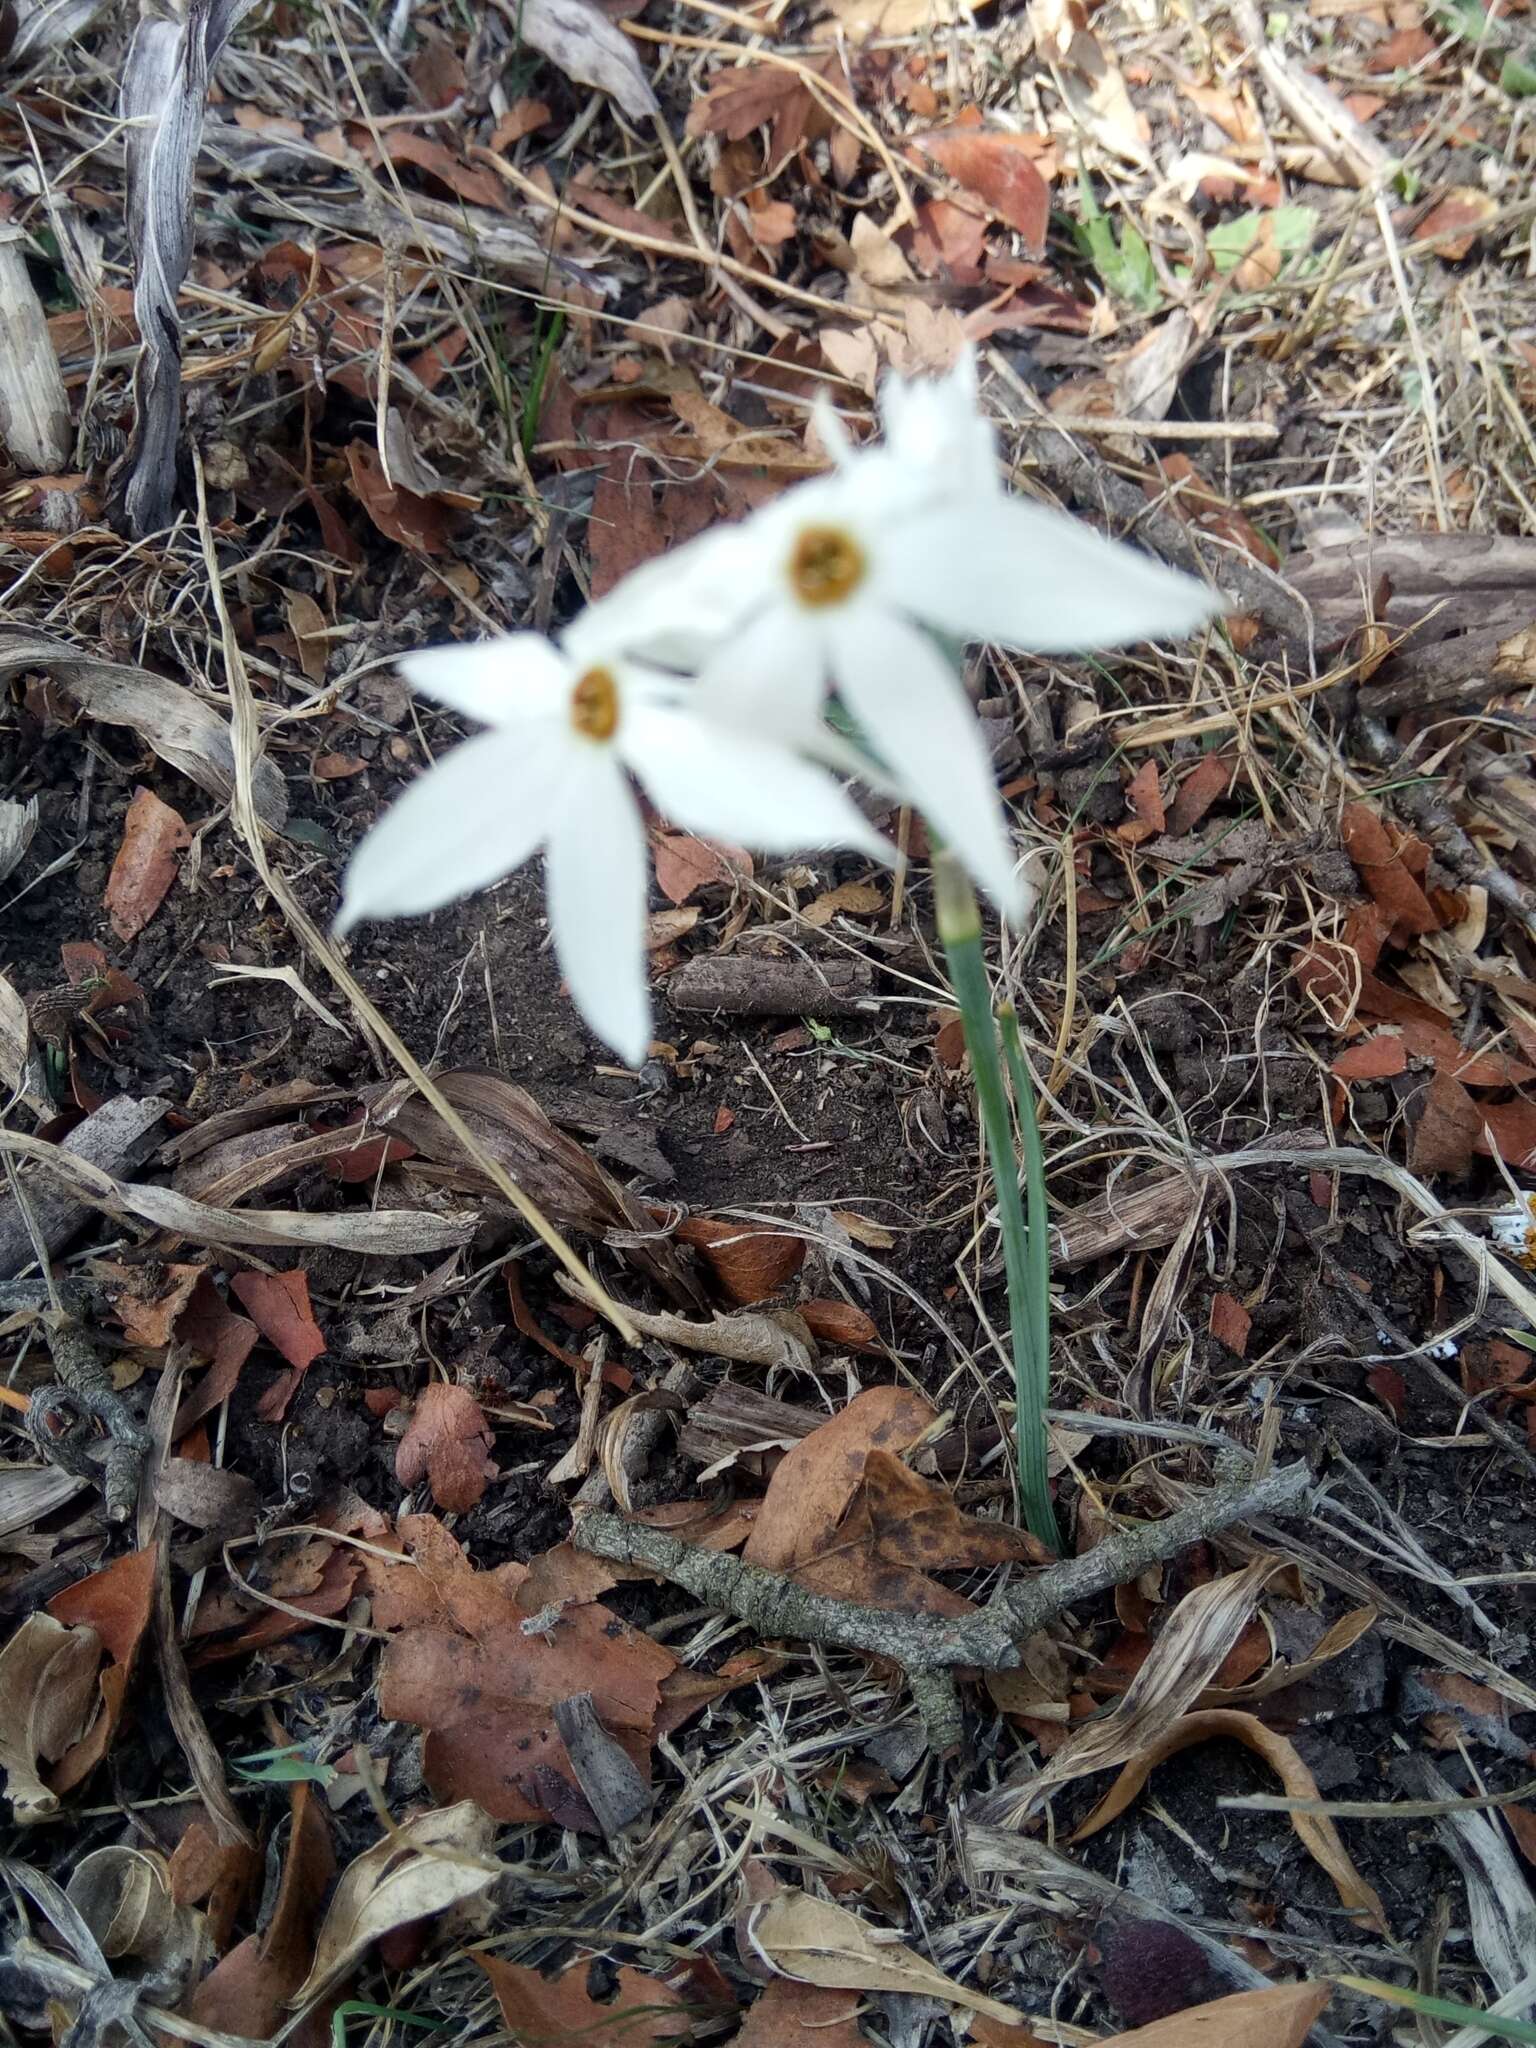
(959, 923)
(1023, 1085)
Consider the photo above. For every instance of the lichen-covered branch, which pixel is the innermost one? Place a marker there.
(1128, 1551)
(988, 1640)
(777, 1606)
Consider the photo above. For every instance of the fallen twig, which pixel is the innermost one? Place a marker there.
(929, 1649)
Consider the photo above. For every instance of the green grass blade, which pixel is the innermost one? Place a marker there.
(1443, 2009)
(1037, 1212)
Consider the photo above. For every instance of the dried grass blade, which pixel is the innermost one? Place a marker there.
(163, 100)
(34, 411)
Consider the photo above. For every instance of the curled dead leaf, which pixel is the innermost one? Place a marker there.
(47, 1697)
(1316, 1830)
(815, 1942)
(427, 1865)
(748, 1261)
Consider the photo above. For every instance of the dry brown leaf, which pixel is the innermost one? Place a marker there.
(427, 1865)
(402, 516)
(463, 1665)
(854, 899)
(145, 867)
(213, 1498)
(447, 1443)
(306, 622)
(1185, 1658)
(685, 863)
(1230, 1323)
(1456, 220)
(1281, 2016)
(815, 1942)
(279, 1307)
(1143, 799)
(1447, 1130)
(48, 1694)
(248, 1991)
(815, 1481)
(578, 37)
(147, 1300)
(1372, 1059)
(546, 2012)
(1001, 169)
(748, 1261)
(873, 1236)
(839, 1326)
(791, 2015)
(1317, 1831)
(115, 1604)
(1384, 872)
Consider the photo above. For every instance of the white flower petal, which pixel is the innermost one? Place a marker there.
(501, 682)
(678, 608)
(732, 783)
(771, 678)
(995, 568)
(936, 422)
(914, 708)
(830, 430)
(468, 821)
(596, 875)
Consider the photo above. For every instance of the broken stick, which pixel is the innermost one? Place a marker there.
(926, 1648)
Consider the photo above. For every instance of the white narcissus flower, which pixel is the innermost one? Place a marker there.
(848, 579)
(569, 725)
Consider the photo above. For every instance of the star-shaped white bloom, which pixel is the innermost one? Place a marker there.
(853, 579)
(569, 725)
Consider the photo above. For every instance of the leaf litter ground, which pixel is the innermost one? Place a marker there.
(1256, 293)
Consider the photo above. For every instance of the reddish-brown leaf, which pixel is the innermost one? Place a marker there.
(462, 1665)
(1144, 802)
(401, 516)
(559, 2012)
(1384, 872)
(1437, 1042)
(1372, 1059)
(1206, 783)
(279, 1306)
(448, 1443)
(1194, 501)
(116, 1602)
(145, 867)
(1000, 169)
(747, 1261)
(111, 989)
(1456, 220)
(1446, 1129)
(1230, 1323)
(147, 1300)
(839, 1325)
(949, 241)
(249, 1991)
(210, 1330)
(1389, 1387)
(791, 2015)
(685, 863)
(215, 1875)
(1522, 1825)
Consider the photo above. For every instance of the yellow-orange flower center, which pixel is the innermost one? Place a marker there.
(595, 704)
(827, 565)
